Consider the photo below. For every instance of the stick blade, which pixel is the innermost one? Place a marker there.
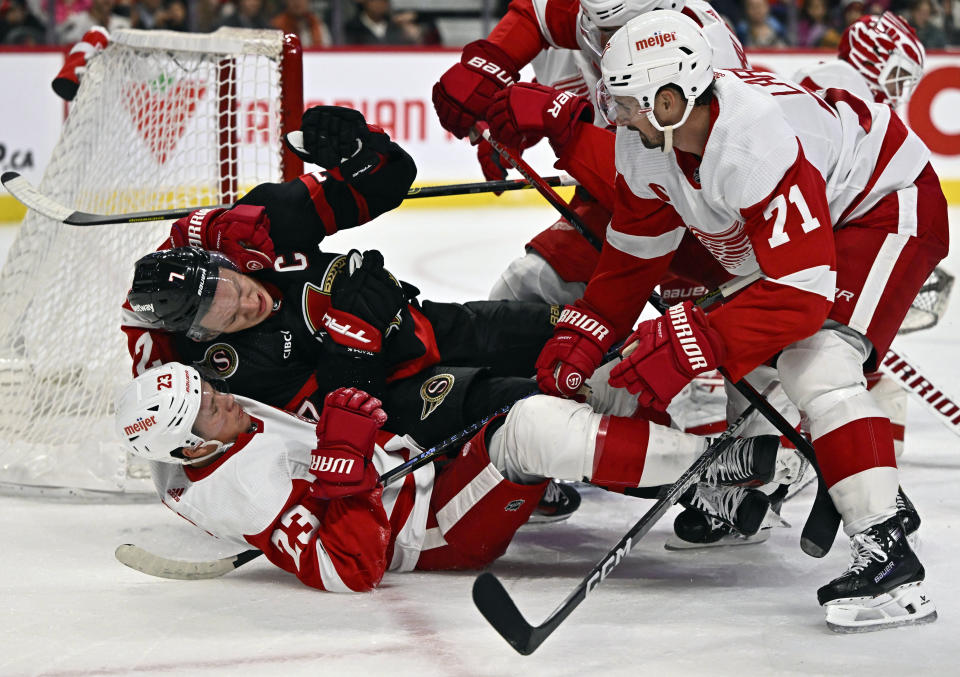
(28, 195)
(146, 562)
(494, 602)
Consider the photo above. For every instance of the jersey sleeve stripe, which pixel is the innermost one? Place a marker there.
(469, 496)
(646, 246)
(328, 572)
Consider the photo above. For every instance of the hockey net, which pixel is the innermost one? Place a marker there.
(931, 302)
(161, 120)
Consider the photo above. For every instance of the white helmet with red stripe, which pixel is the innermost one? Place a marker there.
(611, 14)
(649, 52)
(885, 50)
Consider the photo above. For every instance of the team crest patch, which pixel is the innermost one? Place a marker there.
(433, 391)
(330, 274)
(222, 358)
(314, 305)
(514, 505)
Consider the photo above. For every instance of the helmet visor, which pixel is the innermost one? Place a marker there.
(617, 110)
(220, 296)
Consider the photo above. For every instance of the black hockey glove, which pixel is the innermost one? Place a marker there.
(330, 134)
(367, 290)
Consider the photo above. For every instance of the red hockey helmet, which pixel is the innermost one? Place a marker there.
(885, 50)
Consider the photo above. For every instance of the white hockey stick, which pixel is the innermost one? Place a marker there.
(934, 399)
(146, 562)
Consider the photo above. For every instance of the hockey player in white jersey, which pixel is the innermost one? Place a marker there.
(763, 171)
(562, 40)
(306, 493)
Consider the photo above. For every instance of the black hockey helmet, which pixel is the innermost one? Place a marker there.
(173, 289)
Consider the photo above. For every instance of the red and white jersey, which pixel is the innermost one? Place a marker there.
(256, 493)
(781, 167)
(836, 74)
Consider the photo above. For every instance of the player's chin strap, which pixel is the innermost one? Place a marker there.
(220, 448)
(668, 129)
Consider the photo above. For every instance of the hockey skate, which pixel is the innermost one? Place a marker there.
(719, 516)
(558, 503)
(754, 461)
(882, 588)
(910, 518)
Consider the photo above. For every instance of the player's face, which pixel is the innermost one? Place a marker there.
(220, 417)
(239, 303)
(633, 117)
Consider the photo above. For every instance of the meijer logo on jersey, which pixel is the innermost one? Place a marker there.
(141, 425)
(681, 327)
(658, 39)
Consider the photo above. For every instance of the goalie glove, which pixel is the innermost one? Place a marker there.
(242, 234)
(67, 81)
(671, 350)
(462, 94)
(342, 462)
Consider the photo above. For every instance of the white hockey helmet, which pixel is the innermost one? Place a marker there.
(156, 411)
(885, 50)
(612, 14)
(650, 51)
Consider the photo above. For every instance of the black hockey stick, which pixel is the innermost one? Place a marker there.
(29, 195)
(496, 605)
(538, 182)
(820, 529)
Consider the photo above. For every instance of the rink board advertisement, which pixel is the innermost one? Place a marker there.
(392, 89)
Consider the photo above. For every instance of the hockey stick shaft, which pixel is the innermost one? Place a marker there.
(934, 399)
(30, 196)
(496, 605)
(537, 181)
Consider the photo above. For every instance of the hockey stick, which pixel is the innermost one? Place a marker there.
(496, 605)
(538, 182)
(31, 197)
(900, 368)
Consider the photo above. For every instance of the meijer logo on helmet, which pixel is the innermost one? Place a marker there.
(658, 39)
(140, 426)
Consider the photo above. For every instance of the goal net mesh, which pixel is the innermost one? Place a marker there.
(161, 120)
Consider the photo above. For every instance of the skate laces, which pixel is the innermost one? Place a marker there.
(553, 494)
(865, 549)
(719, 503)
(735, 464)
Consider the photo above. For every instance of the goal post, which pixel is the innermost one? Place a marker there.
(161, 120)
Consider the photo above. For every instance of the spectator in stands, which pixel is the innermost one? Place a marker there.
(376, 24)
(18, 26)
(951, 23)
(759, 29)
(730, 10)
(298, 18)
(923, 21)
(814, 28)
(850, 11)
(110, 14)
(160, 14)
(247, 14)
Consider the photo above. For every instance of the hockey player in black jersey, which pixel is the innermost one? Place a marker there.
(278, 320)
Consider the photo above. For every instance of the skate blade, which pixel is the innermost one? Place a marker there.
(907, 604)
(675, 543)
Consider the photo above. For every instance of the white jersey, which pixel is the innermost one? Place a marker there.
(753, 142)
(243, 492)
(836, 73)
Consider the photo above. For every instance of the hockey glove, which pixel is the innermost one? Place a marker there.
(523, 114)
(242, 234)
(342, 462)
(670, 351)
(463, 93)
(369, 292)
(67, 81)
(576, 350)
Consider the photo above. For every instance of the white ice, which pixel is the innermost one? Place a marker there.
(68, 608)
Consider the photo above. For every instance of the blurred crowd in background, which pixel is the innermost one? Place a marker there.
(323, 23)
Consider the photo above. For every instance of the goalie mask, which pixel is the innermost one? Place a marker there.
(600, 18)
(156, 411)
(649, 52)
(173, 289)
(885, 50)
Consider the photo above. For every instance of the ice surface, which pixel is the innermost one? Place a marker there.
(68, 608)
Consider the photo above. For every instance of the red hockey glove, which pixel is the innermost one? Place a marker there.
(525, 113)
(67, 81)
(463, 93)
(242, 234)
(670, 351)
(575, 351)
(343, 460)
